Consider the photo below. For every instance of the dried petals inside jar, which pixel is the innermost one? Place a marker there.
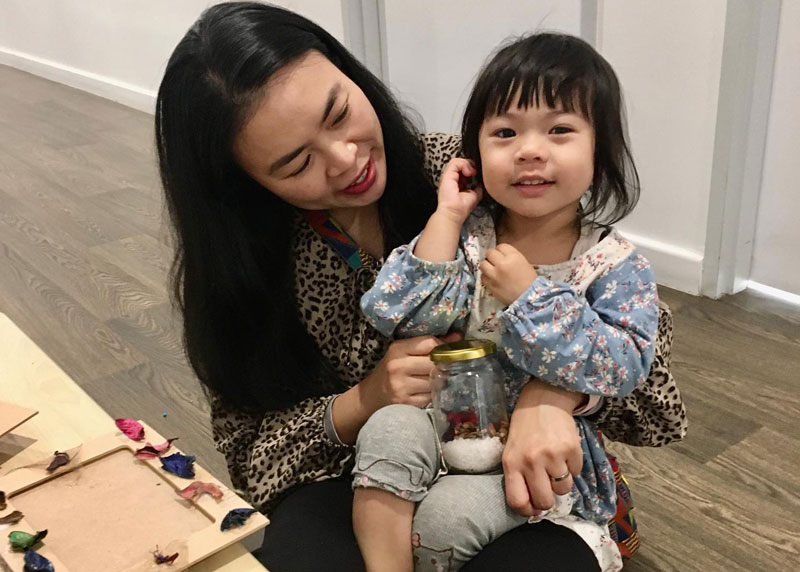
(469, 404)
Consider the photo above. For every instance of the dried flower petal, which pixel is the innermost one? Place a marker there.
(198, 488)
(163, 558)
(59, 460)
(12, 518)
(177, 464)
(35, 562)
(152, 451)
(21, 541)
(131, 428)
(235, 518)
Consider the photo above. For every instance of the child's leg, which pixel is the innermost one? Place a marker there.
(382, 525)
(460, 515)
(397, 459)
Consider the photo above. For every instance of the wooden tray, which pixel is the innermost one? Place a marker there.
(12, 416)
(106, 511)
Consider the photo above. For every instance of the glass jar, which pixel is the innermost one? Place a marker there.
(469, 405)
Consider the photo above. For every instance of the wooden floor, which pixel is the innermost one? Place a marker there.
(83, 261)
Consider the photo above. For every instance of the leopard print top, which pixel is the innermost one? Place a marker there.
(269, 454)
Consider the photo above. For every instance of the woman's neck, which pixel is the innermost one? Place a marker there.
(363, 224)
(542, 240)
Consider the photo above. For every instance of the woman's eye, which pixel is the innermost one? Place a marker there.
(561, 130)
(504, 133)
(341, 117)
(302, 167)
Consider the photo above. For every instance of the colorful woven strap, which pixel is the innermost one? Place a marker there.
(335, 236)
(623, 527)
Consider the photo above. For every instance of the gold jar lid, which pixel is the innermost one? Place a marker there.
(462, 351)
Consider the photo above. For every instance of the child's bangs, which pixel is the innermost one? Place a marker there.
(554, 87)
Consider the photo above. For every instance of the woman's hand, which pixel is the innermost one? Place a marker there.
(402, 376)
(543, 444)
(455, 200)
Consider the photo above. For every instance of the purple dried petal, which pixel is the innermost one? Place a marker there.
(12, 518)
(235, 518)
(164, 558)
(35, 562)
(177, 464)
(59, 460)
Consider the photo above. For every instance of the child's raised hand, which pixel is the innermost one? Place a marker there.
(506, 273)
(456, 201)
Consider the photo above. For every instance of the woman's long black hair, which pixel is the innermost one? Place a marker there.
(233, 271)
(558, 69)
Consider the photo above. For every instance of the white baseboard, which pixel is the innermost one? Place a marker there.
(109, 88)
(774, 293)
(674, 267)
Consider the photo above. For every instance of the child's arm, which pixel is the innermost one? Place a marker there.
(603, 345)
(439, 239)
(425, 287)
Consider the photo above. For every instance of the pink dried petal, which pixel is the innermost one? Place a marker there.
(131, 428)
(150, 451)
(197, 488)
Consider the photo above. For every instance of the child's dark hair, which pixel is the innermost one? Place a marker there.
(558, 69)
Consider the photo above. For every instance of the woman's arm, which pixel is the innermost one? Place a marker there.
(543, 443)
(269, 454)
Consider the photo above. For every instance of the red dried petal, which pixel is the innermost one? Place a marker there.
(131, 428)
(150, 451)
(198, 488)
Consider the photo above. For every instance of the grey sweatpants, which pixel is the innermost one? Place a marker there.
(398, 450)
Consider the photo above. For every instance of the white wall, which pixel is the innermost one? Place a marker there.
(674, 60)
(435, 49)
(114, 48)
(668, 57)
(775, 255)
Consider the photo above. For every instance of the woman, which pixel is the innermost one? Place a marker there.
(289, 172)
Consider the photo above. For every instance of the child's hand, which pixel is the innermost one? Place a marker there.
(455, 200)
(506, 273)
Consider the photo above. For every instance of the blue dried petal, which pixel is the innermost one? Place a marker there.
(181, 465)
(35, 562)
(235, 518)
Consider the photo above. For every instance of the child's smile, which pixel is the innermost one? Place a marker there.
(537, 162)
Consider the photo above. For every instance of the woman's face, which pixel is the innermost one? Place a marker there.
(314, 139)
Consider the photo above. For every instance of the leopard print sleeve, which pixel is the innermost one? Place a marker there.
(439, 149)
(271, 453)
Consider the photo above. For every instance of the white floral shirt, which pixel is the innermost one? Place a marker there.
(586, 325)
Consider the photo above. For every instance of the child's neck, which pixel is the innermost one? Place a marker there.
(542, 240)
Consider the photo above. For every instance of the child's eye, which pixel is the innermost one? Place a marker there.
(561, 130)
(302, 167)
(504, 133)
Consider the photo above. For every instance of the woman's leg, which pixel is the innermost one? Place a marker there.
(540, 547)
(397, 459)
(312, 529)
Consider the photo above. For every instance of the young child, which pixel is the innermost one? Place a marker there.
(535, 268)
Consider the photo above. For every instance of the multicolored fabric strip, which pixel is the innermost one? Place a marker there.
(623, 527)
(335, 236)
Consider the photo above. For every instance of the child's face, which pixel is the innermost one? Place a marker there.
(537, 162)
